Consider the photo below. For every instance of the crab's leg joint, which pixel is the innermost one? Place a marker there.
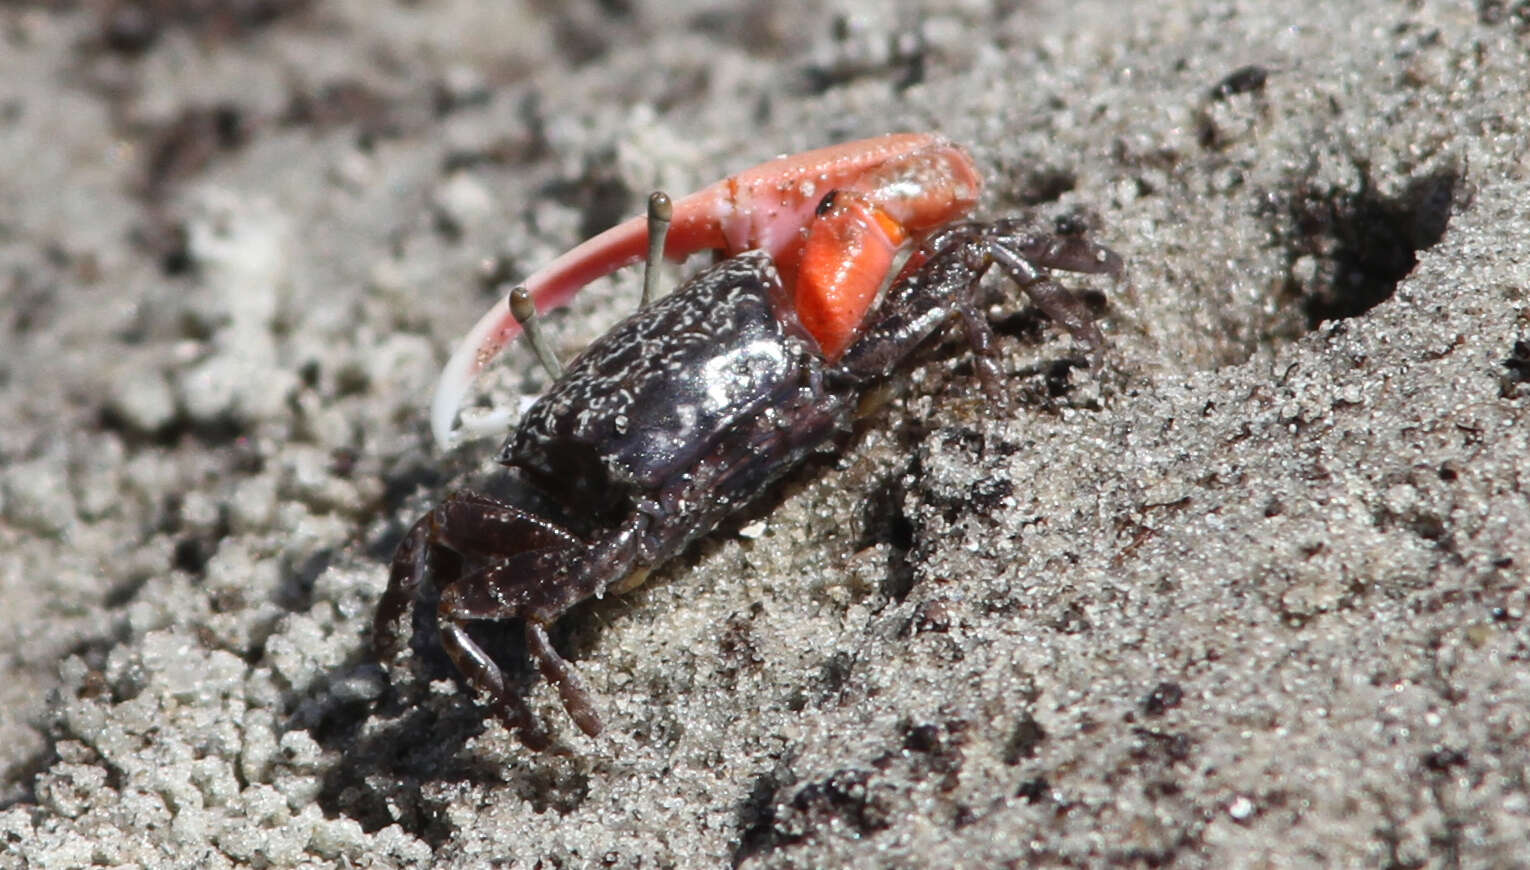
(660, 212)
(1027, 261)
(525, 313)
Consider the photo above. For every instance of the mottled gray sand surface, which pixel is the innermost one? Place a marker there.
(1252, 595)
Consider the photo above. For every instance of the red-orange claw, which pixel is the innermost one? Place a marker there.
(849, 253)
(856, 233)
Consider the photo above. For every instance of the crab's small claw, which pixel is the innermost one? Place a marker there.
(849, 253)
(769, 207)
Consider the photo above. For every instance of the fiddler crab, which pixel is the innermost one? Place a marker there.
(695, 404)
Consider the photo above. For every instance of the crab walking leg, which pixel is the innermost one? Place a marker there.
(411, 563)
(459, 604)
(557, 671)
(767, 207)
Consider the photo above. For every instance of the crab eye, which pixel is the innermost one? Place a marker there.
(826, 203)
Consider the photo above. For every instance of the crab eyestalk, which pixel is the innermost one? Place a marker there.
(660, 213)
(525, 314)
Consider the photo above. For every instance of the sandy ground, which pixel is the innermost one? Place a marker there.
(1253, 595)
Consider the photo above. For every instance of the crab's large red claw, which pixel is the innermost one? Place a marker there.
(919, 180)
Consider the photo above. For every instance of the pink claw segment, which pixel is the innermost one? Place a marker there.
(918, 180)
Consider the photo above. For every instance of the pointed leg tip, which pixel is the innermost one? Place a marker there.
(384, 649)
(1112, 264)
(588, 722)
(533, 737)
